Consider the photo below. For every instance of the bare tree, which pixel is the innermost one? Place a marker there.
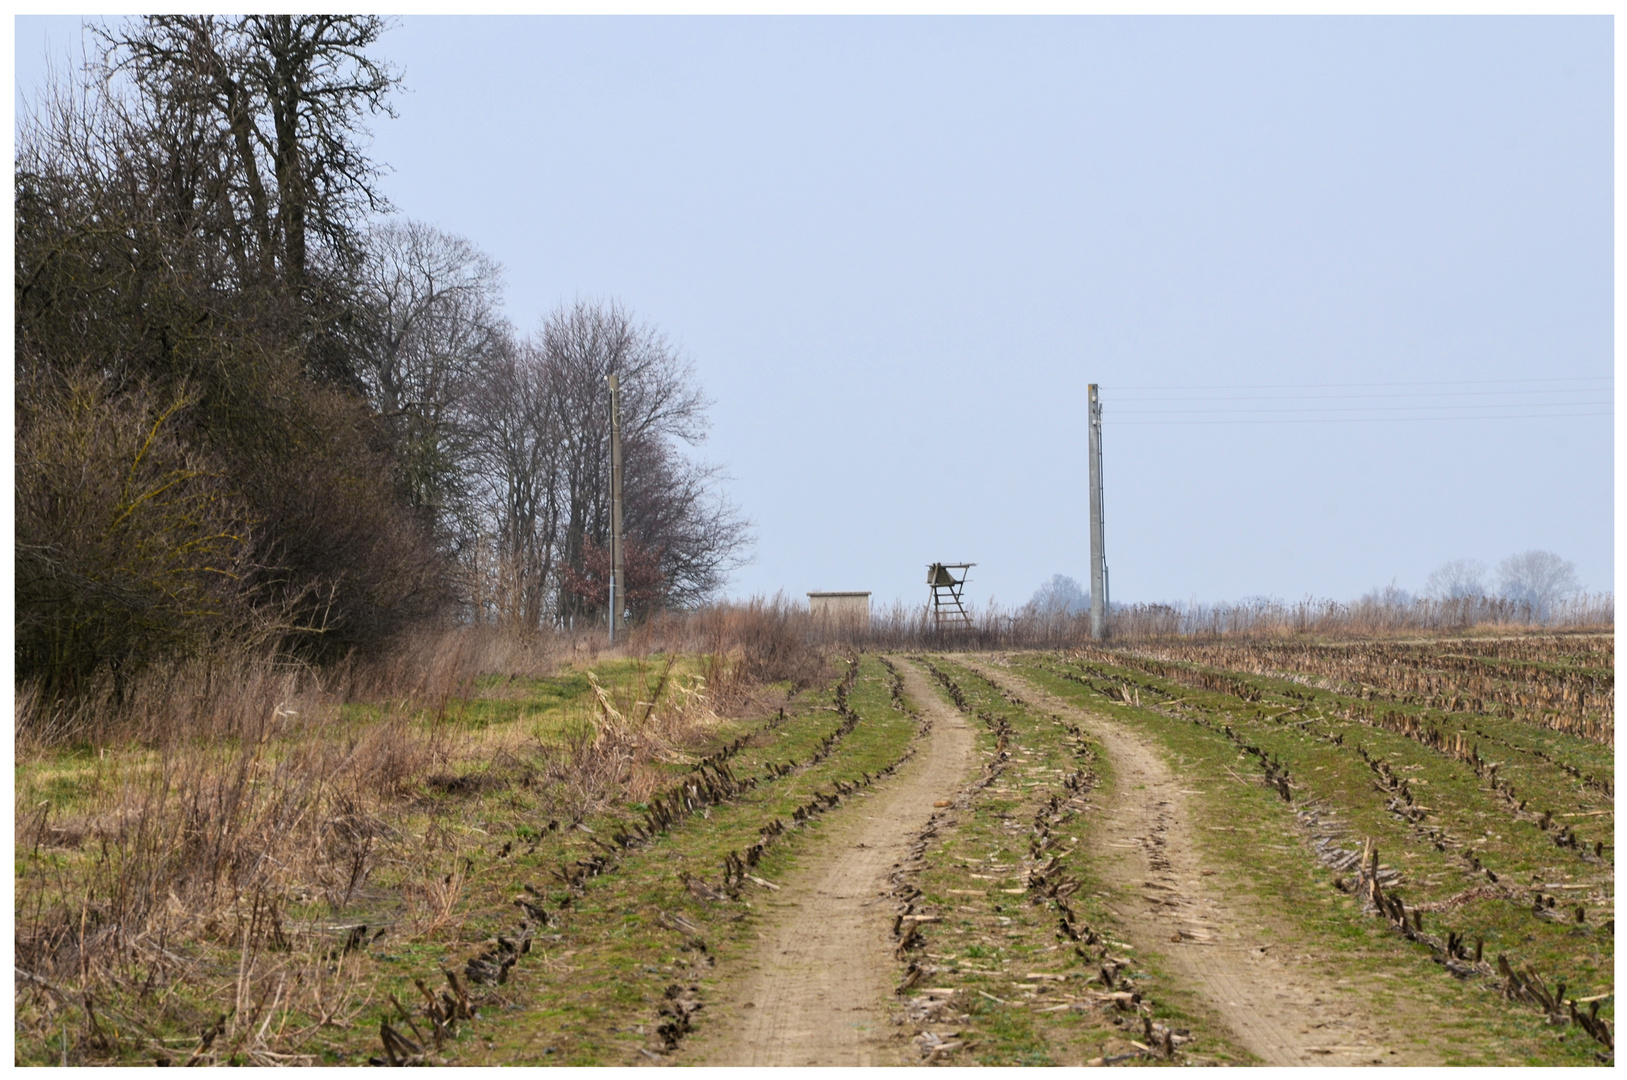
(1538, 578)
(690, 535)
(1459, 579)
(1061, 595)
(433, 309)
(1385, 596)
(542, 426)
(288, 94)
(517, 449)
(277, 104)
(584, 343)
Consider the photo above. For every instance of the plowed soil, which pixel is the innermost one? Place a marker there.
(821, 990)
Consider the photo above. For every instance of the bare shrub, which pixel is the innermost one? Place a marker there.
(129, 548)
(764, 640)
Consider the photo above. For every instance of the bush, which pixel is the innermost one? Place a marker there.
(342, 563)
(129, 547)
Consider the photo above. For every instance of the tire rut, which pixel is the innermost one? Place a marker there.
(821, 990)
(1234, 954)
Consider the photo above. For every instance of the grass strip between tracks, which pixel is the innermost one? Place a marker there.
(1017, 959)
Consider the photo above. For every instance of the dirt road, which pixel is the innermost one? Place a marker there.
(822, 988)
(1281, 1006)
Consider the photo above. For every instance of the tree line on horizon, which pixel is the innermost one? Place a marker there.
(253, 405)
(1533, 584)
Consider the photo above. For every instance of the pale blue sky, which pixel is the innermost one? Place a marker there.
(897, 251)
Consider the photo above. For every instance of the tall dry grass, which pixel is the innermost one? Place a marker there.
(251, 692)
(226, 823)
(762, 640)
(1368, 617)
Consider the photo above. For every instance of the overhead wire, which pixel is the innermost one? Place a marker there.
(1330, 386)
(1364, 397)
(1354, 419)
(1235, 404)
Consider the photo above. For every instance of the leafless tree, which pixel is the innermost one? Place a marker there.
(583, 344)
(1061, 595)
(1459, 579)
(275, 105)
(543, 421)
(517, 452)
(1538, 578)
(288, 95)
(675, 512)
(434, 325)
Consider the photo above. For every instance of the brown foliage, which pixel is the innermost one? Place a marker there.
(641, 586)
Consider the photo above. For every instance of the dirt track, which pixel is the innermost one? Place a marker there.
(1280, 1005)
(821, 991)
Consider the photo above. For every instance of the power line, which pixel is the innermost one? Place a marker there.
(1360, 419)
(1364, 408)
(1335, 386)
(1531, 398)
(1365, 397)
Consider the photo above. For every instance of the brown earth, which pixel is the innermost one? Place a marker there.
(821, 990)
(1247, 963)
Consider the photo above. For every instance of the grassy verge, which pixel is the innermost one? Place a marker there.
(204, 899)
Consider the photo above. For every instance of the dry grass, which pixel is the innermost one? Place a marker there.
(1364, 618)
(1561, 682)
(191, 859)
(759, 641)
(254, 694)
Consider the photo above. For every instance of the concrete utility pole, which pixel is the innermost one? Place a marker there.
(1098, 552)
(617, 586)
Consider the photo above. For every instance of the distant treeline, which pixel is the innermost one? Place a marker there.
(773, 633)
(253, 408)
(1370, 615)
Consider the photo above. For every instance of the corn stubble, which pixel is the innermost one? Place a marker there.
(1482, 762)
(213, 858)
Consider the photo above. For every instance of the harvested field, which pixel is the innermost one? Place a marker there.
(1226, 853)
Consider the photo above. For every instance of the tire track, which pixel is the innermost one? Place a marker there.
(822, 989)
(1279, 1007)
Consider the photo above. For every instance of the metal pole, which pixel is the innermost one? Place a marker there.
(1098, 554)
(615, 506)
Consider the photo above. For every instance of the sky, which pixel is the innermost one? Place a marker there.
(1346, 284)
